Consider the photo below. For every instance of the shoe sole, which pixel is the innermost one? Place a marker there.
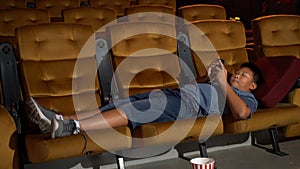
(38, 118)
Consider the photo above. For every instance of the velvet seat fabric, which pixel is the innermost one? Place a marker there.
(280, 74)
(13, 18)
(151, 65)
(156, 13)
(117, 5)
(283, 114)
(97, 17)
(143, 67)
(223, 38)
(202, 11)
(232, 49)
(149, 8)
(42, 148)
(278, 35)
(171, 3)
(55, 7)
(13, 4)
(8, 144)
(61, 75)
(186, 131)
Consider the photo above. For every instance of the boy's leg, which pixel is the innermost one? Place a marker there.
(158, 106)
(210, 101)
(83, 115)
(109, 106)
(107, 119)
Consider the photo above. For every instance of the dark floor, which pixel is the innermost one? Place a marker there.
(244, 157)
(241, 156)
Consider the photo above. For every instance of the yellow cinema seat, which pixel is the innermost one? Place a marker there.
(60, 73)
(144, 67)
(279, 35)
(97, 17)
(55, 7)
(202, 11)
(229, 41)
(117, 5)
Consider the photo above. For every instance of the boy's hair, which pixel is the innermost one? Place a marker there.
(257, 75)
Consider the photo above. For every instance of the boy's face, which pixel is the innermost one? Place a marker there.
(243, 80)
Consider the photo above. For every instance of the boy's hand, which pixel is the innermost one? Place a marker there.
(217, 72)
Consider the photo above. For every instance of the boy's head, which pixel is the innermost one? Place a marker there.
(247, 78)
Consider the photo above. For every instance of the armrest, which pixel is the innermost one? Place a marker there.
(294, 96)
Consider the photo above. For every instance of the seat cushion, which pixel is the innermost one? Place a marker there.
(171, 133)
(282, 114)
(294, 96)
(292, 130)
(280, 74)
(41, 148)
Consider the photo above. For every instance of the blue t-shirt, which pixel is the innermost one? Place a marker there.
(248, 98)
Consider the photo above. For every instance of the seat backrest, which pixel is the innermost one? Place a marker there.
(227, 38)
(97, 17)
(149, 8)
(150, 13)
(55, 7)
(58, 69)
(118, 5)
(13, 4)
(277, 35)
(171, 3)
(202, 11)
(10, 20)
(144, 56)
(17, 17)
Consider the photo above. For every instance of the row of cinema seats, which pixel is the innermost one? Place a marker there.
(211, 15)
(13, 18)
(16, 16)
(29, 64)
(98, 17)
(57, 10)
(55, 7)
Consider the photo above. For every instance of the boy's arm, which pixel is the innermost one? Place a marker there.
(237, 106)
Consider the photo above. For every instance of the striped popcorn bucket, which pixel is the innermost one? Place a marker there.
(202, 163)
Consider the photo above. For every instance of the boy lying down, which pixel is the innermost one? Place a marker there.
(160, 105)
